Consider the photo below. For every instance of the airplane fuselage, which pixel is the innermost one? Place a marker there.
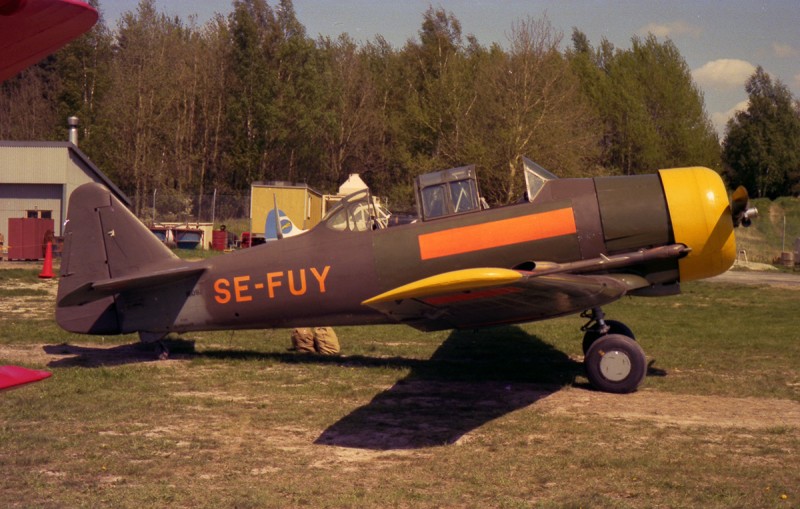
(323, 276)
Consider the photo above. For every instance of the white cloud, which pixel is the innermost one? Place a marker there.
(784, 50)
(720, 118)
(671, 29)
(724, 73)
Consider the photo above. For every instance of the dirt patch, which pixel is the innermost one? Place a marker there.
(25, 354)
(39, 306)
(759, 278)
(677, 409)
(88, 356)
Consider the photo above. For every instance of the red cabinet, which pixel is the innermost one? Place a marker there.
(27, 238)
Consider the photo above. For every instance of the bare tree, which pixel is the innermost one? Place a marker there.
(531, 106)
(353, 123)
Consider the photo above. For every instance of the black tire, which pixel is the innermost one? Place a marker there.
(615, 327)
(615, 363)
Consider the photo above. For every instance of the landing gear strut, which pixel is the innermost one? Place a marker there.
(598, 326)
(614, 361)
(162, 350)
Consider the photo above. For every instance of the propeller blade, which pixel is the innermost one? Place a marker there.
(740, 207)
(739, 200)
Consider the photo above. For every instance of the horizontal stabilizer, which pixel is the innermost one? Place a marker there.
(95, 290)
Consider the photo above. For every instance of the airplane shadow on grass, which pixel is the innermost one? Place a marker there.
(132, 353)
(471, 379)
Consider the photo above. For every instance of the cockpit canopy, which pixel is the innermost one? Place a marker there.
(455, 191)
(447, 192)
(357, 212)
(439, 194)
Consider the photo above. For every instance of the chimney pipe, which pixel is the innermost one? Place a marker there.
(72, 130)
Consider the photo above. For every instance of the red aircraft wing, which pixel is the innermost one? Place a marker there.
(11, 376)
(32, 29)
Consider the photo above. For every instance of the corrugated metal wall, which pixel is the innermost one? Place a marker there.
(33, 165)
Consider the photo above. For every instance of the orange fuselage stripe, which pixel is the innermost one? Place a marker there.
(506, 232)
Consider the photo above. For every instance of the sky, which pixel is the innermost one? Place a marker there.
(721, 41)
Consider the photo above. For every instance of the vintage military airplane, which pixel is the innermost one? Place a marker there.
(570, 246)
(29, 31)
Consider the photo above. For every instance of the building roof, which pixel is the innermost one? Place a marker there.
(83, 158)
(283, 184)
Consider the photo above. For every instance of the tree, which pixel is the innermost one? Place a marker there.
(653, 114)
(439, 91)
(762, 143)
(529, 104)
(352, 123)
(83, 69)
(390, 157)
(28, 105)
(250, 93)
(211, 57)
(275, 95)
(143, 117)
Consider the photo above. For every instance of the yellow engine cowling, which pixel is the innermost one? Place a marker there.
(701, 219)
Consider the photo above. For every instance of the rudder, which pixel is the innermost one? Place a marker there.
(102, 240)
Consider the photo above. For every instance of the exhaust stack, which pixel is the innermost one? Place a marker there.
(72, 130)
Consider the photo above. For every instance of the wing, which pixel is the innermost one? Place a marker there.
(482, 297)
(11, 376)
(32, 29)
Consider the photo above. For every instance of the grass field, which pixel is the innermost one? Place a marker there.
(498, 418)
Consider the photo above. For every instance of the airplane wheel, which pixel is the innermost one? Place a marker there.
(615, 363)
(615, 327)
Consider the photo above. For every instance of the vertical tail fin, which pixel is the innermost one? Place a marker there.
(277, 217)
(102, 240)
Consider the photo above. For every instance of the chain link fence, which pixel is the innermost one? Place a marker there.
(214, 208)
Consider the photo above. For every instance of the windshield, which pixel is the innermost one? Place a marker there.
(535, 178)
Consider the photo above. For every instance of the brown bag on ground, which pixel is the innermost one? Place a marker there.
(303, 340)
(325, 341)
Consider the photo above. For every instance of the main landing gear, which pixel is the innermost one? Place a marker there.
(614, 361)
(162, 350)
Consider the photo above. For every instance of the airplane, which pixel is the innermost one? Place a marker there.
(278, 225)
(568, 246)
(275, 229)
(29, 31)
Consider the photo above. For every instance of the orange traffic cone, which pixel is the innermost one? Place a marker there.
(47, 269)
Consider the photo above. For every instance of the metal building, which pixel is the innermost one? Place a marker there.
(37, 178)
